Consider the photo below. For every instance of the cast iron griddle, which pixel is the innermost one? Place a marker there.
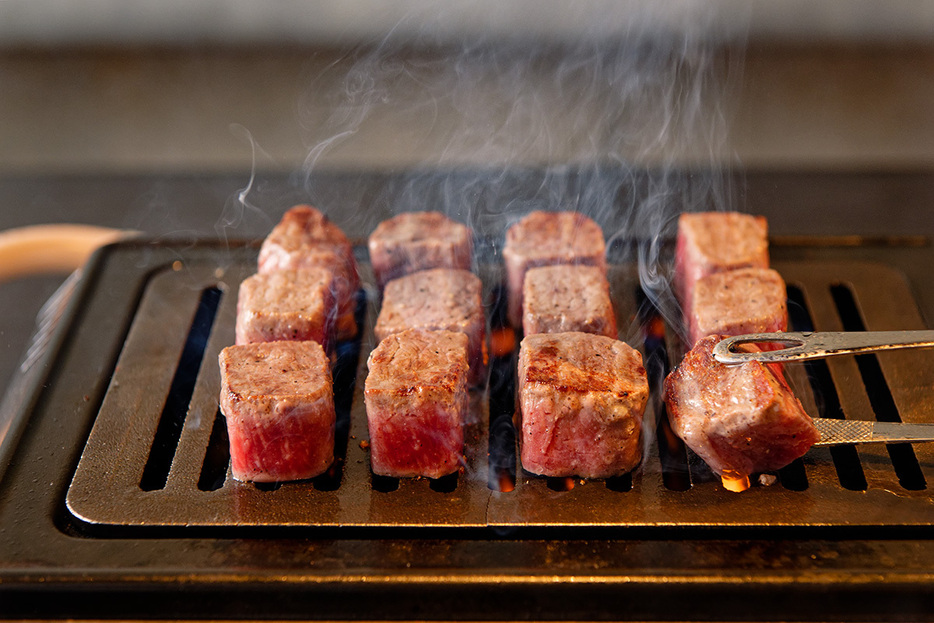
(156, 459)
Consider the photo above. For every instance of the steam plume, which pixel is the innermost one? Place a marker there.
(629, 127)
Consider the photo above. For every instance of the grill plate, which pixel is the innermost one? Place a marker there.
(106, 491)
(54, 566)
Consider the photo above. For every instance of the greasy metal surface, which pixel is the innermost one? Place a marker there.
(106, 488)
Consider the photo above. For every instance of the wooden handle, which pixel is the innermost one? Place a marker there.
(40, 249)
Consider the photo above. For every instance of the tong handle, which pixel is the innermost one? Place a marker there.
(837, 432)
(806, 345)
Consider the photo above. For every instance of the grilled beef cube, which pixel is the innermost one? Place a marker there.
(279, 405)
(581, 401)
(415, 241)
(562, 298)
(747, 300)
(416, 403)
(712, 242)
(741, 419)
(546, 239)
(441, 298)
(287, 305)
(305, 238)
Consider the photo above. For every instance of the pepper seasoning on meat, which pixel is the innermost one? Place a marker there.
(545, 239)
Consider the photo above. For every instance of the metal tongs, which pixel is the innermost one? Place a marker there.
(818, 345)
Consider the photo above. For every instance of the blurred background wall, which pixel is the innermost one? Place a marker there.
(129, 85)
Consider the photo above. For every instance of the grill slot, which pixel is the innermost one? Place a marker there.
(672, 455)
(183, 385)
(673, 488)
(502, 390)
(793, 477)
(880, 396)
(217, 456)
(845, 458)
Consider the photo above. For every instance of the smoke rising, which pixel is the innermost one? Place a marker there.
(239, 209)
(629, 128)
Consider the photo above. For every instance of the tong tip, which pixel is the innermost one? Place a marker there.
(725, 351)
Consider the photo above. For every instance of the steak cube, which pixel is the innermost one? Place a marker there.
(581, 401)
(747, 300)
(305, 238)
(279, 405)
(562, 298)
(712, 242)
(441, 298)
(545, 239)
(416, 403)
(286, 305)
(415, 241)
(740, 419)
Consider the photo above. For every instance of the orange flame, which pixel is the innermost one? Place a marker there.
(735, 481)
(502, 341)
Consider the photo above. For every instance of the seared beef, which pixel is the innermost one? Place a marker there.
(712, 242)
(305, 238)
(279, 406)
(581, 401)
(416, 403)
(441, 298)
(545, 239)
(741, 419)
(287, 305)
(562, 298)
(746, 300)
(415, 241)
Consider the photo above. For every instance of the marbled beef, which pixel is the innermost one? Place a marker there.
(305, 238)
(567, 297)
(581, 401)
(712, 242)
(415, 241)
(287, 305)
(416, 403)
(545, 239)
(278, 402)
(741, 419)
(441, 298)
(735, 302)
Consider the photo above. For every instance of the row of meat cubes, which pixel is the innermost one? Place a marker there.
(743, 419)
(276, 390)
(722, 276)
(582, 392)
(432, 345)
